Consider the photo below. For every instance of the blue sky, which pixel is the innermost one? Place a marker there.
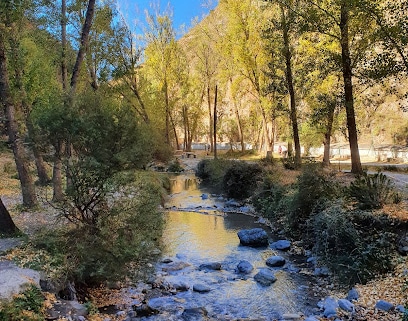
(183, 10)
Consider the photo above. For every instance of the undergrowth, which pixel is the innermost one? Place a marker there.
(26, 306)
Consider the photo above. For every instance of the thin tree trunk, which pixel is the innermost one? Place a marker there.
(173, 125)
(7, 226)
(215, 122)
(20, 156)
(64, 71)
(266, 141)
(58, 195)
(166, 101)
(356, 167)
(38, 157)
(327, 135)
(86, 28)
(289, 81)
(239, 123)
(210, 119)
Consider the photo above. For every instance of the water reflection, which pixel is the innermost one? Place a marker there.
(195, 238)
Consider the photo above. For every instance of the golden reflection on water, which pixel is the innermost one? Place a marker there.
(204, 238)
(204, 235)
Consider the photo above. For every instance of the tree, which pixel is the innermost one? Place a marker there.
(12, 107)
(285, 25)
(243, 56)
(7, 226)
(340, 20)
(163, 58)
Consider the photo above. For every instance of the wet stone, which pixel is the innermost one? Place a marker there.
(215, 266)
(283, 245)
(265, 277)
(255, 237)
(275, 261)
(194, 314)
(201, 288)
(244, 267)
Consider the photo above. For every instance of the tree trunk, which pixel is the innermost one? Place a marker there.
(173, 125)
(7, 226)
(215, 122)
(64, 71)
(327, 134)
(58, 195)
(38, 157)
(210, 119)
(356, 167)
(166, 101)
(289, 82)
(86, 28)
(20, 157)
(237, 115)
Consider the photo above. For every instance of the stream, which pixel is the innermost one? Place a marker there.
(198, 231)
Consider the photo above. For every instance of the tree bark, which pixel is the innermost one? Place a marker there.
(167, 107)
(215, 122)
(86, 28)
(20, 157)
(210, 117)
(57, 195)
(64, 71)
(356, 167)
(327, 135)
(7, 226)
(289, 82)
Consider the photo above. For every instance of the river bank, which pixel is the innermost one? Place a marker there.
(388, 288)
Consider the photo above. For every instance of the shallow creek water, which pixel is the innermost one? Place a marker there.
(197, 232)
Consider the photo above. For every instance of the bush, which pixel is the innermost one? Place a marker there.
(313, 187)
(372, 191)
(268, 197)
(240, 180)
(289, 163)
(27, 306)
(175, 167)
(126, 229)
(353, 244)
(212, 171)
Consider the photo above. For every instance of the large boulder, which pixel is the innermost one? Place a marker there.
(255, 237)
(14, 280)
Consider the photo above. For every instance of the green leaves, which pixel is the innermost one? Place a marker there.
(372, 191)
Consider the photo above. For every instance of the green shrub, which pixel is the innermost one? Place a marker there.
(313, 187)
(268, 197)
(372, 191)
(126, 229)
(175, 167)
(240, 180)
(355, 245)
(27, 306)
(289, 163)
(212, 171)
